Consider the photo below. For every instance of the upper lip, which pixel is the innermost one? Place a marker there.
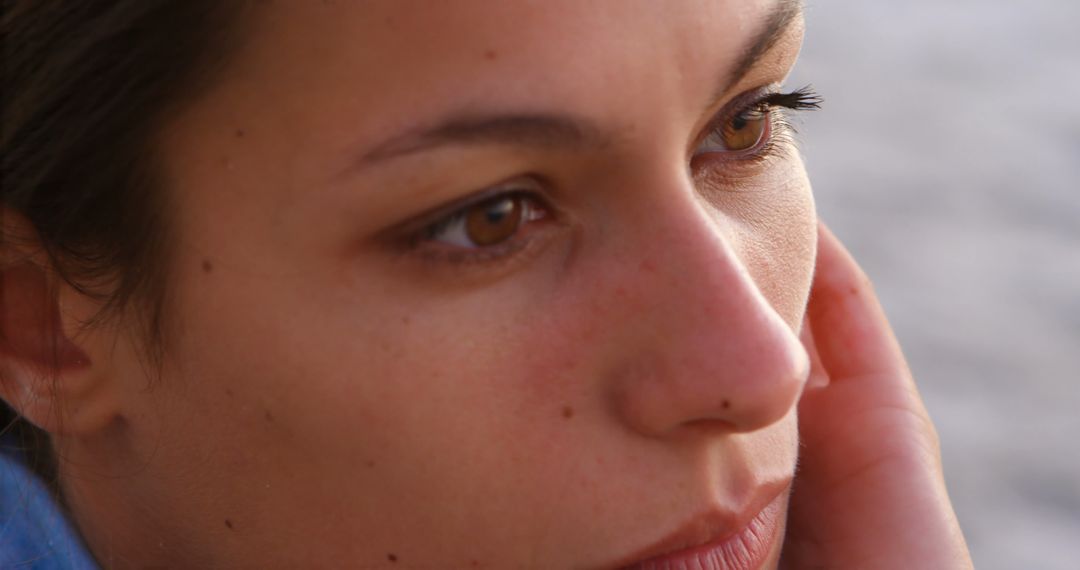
(710, 525)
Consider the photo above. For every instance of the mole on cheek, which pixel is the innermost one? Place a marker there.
(491, 55)
(228, 523)
(726, 404)
(567, 412)
(207, 267)
(391, 557)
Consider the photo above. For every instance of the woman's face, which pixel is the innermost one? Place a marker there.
(472, 284)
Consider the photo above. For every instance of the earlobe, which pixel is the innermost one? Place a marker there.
(44, 374)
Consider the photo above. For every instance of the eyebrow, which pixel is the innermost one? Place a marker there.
(561, 131)
(548, 131)
(776, 25)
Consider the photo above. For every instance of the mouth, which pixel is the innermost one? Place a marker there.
(720, 540)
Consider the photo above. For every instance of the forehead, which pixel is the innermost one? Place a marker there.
(556, 27)
(314, 84)
(480, 53)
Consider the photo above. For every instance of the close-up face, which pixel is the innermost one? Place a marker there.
(472, 284)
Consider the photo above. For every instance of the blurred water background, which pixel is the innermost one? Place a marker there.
(947, 157)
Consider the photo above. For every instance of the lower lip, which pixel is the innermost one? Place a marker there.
(746, 550)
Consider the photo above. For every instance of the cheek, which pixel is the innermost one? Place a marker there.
(774, 231)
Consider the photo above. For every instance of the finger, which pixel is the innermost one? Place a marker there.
(852, 336)
(818, 377)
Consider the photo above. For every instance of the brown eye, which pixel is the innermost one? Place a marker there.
(494, 221)
(745, 130)
(488, 223)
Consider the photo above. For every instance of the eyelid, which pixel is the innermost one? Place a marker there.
(410, 233)
(736, 105)
(770, 99)
(528, 239)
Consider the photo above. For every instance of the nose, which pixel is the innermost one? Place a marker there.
(707, 348)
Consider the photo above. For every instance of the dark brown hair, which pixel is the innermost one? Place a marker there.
(86, 84)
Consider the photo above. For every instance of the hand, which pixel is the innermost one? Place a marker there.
(869, 491)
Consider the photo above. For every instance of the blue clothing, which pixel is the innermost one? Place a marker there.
(34, 532)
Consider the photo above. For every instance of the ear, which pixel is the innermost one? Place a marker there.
(45, 375)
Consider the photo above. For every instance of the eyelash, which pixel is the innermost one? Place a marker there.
(774, 105)
(511, 190)
(418, 235)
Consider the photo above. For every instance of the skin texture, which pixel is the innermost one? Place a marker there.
(338, 391)
(383, 402)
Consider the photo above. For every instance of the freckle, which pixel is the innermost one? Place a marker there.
(648, 266)
(491, 55)
(726, 404)
(475, 563)
(269, 416)
(240, 133)
(370, 463)
(207, 267)
(854, 291)
(228, 392)
(391, 557)
(567, 412)
(405, 320)
(228, 523)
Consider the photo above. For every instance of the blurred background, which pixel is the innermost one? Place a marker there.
(947, 157)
